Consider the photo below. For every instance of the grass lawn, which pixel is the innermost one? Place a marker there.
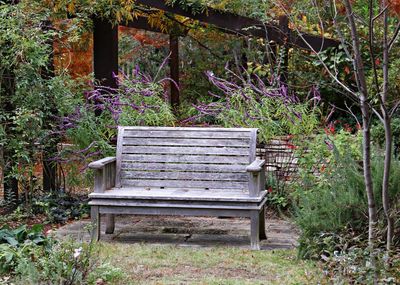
(165, 264)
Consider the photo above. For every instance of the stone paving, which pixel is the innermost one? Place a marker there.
(186, 231)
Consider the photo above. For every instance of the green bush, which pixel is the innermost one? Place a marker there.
(378, 134)
(338, 202)
(29, 257)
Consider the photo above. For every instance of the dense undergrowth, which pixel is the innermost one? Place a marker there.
(27, 256)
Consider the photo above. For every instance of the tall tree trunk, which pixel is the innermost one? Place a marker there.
(365, 109)
(388, 132)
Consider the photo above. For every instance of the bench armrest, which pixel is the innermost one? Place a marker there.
(256, 166)
(98, 164)
(105, 171)
(256, 172)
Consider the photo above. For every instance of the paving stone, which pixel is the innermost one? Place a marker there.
(186, 231)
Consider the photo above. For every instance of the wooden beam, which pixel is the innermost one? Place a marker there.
(174, 69)
(245, 26)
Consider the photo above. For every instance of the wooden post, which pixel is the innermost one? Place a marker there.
(284, 28)
(10, 183)
(105, 53)
(50, 150)
(174, 69)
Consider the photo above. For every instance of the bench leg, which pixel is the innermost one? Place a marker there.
(262, 224)
(95, 217)
(255, 230)
(110, 223)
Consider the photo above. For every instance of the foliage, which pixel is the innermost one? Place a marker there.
(32, 258)
(354, 267)
(60, 207)
(18, 236)
(378, 134)
(337, 202)
(252, 103)
(92, 127)
(278, 195)
(15, 242)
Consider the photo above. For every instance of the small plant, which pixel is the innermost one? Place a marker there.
(29, 257)
(60, 206)
(278, 197)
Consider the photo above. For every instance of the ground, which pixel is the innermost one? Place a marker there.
(197, 250)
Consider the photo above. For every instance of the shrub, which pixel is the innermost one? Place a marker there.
(91, 125)
(28, 257)
(338, 203)
(60, 206)
(252, 103)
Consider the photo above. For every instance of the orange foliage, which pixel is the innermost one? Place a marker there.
(145, 38)
(77, 57)
(395, 6)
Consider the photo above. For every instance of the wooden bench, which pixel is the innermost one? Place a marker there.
(181, 171)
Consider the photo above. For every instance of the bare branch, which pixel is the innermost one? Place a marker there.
(371, 44)
(395, 35)
(333, 76)
(380, 13)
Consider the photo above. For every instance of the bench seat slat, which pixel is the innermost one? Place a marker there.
(220, 168)
(191, 194)
(183, 183)
(186, 158)
(125, 174)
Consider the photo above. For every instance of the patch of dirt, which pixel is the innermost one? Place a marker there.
(187, 272)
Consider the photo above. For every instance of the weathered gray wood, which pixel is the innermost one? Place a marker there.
(255, 230)
(98, 164)
(253, 144)
(253, 184)
(95, 221)
(183, 184)
(192, 176)
(104, 177)
(186, 142)
(219, 168)
(256, 177)
(185, 134)
(174, 211)
(110, 223)
(184, 150)
(263, 235)
(176, 204)
(256, 165)
(120, 139)
(181, 171)
(181, 158)
(186, 129)
(186, 194)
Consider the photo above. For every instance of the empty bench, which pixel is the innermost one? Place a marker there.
(181, 171)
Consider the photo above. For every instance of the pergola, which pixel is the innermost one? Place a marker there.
(105, 38)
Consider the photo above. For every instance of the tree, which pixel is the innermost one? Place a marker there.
(368, 35)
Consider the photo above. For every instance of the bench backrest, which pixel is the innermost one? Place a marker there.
(205, 158)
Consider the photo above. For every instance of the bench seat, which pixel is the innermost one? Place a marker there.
(178, 194)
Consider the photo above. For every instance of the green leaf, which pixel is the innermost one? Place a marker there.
(12, 241)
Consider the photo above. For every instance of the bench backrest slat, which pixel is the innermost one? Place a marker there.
(209, 158)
